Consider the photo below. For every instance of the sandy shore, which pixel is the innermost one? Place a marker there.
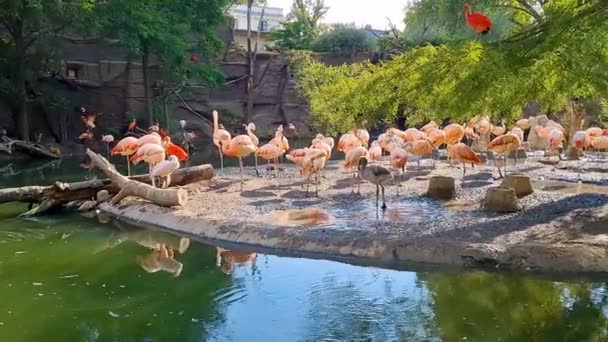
(563, 227)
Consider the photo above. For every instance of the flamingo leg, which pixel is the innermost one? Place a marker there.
(383, 201)
(168, 181)
(464, 170)
(241, 167)
(307, 185)
(377, 194)
(506, 162)
(257, 173)
(153, 181)
(108, 151)
(128, 166)
(221, 159)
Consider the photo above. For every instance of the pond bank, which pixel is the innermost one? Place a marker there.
(560, 230)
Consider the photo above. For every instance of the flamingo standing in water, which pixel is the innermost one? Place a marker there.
(505, 144)
(398, 160)
(351, 159)
(420, 148)
(239, 147)
(375, 174)
(269, 152)
(250, 128)
(464, 154)
(164, 170)
(220, 137)
(126, 147)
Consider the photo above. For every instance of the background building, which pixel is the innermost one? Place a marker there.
(273, 16)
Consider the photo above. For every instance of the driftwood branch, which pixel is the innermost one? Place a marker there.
(128, 187)
(10, 145)
(60, 194)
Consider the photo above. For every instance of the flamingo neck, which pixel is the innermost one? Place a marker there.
(467, 11)
(215, 121)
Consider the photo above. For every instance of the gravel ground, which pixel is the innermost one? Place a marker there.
(552, 232)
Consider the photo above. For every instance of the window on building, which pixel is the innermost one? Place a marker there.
(72, 72)
(263, 25)
(236, 23)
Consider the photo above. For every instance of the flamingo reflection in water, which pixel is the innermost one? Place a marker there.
(228, 259)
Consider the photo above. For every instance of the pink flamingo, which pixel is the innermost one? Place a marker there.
(363, 136)
(107, 139)
(152, 138)
(505, 144)
(250, 128)
(351, 159)
(398, 162)
(312, 165)
(239, 147)
(555, 139)
(152, 154)
(375, 151)
(348, 142)
(164, 170)
(126, 147)
(464, 154)
(429, 127)
(270, 152)
(220, 137)
(580, 140)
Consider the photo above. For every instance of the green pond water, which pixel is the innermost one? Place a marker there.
(71, 278)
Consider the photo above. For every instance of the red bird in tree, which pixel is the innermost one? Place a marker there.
(477, 21)
(194, 58)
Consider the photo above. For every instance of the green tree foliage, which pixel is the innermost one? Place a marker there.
(28, 32)
(302, 25)
(343, 39)
(169, 30)
(564, 55)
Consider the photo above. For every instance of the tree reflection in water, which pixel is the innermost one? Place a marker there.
(482, 306)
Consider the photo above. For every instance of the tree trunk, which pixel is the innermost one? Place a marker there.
(145, 61)
(21, 110)
(251, 67)
(127, 88)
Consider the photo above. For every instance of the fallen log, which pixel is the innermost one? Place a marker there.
(63, 193)
(34, 150)
(128, 187)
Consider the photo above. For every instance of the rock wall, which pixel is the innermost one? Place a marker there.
(107, 81)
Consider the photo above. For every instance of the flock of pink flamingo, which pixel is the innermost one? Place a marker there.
(154, 148)
(364, 159)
